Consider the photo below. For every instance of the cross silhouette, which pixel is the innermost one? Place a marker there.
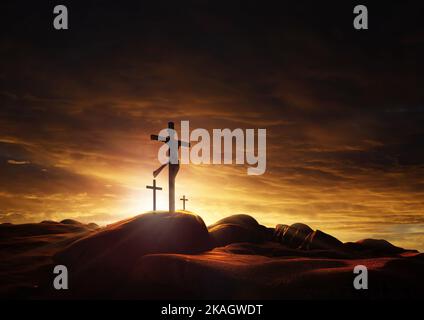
(154, 188)
(173, 167)
(184, 199)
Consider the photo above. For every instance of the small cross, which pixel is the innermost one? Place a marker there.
(154, 188)
(184, 199)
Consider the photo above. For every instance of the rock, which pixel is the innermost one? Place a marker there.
(49, 222)
(93, 225)
(70, 221)
(37, 229)
(243, 220)
(238, 228)
(378, 246)
(101, 261)
(224, 234)
(302, 228)
(319, 240)
(280, 229)
(292, 236)
(121, 243)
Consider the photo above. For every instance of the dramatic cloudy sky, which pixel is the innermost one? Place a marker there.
(343, 110)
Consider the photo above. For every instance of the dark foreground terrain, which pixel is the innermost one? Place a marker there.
(175, 256)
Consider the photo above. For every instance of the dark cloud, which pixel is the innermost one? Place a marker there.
(343, 109)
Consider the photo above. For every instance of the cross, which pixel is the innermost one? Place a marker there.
(173, 167)
(184, 199)
(154, 188)
(167, 139)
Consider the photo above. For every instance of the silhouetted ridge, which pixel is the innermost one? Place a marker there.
(293, 236)
(70, 221)
(173, 256)
(238, 228)
(319, 240)
(132, 238)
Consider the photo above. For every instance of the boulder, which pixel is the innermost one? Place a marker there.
(319, 240)
(292, 236)
(93, 225)
(70, 221)
(378, 246)
(238, 228)
(49, 222)
(100, 263)
(121, 243)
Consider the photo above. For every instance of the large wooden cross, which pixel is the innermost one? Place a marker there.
(184, 199)
(154, 188)
(173, 167)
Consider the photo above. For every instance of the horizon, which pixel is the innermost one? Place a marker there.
(208, 223)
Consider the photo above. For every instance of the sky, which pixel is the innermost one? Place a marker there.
(343, 110)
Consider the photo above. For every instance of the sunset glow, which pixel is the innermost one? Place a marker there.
(344, 133)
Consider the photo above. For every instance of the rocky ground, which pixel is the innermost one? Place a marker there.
(175, 256)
